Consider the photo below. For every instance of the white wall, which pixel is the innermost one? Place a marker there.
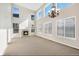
(5, 24)
(69, 12)
(6, 20)
(3, 40)
(24, 24)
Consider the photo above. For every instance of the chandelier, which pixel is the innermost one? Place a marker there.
(54, 12)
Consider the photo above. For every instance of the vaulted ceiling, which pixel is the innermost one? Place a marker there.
(32, 6)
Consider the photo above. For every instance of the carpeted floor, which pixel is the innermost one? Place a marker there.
(36, 46)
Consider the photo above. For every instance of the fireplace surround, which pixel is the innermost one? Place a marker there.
(25, 32)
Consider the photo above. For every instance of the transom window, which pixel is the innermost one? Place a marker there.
(63, 5)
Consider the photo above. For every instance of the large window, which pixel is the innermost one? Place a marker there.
(70, 27)
(66, 27)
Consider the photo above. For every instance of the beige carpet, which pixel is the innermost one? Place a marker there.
(36, 46)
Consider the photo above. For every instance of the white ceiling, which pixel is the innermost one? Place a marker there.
(32, 6)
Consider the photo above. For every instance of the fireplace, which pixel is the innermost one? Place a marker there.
(25, 32)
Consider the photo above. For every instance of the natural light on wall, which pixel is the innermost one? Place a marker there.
(24, 24)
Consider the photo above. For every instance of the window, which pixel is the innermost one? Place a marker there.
(32, 30)
(63, 5)
(60, 27)
(39, 14)
(48, 8)
(40, 28)
(70, 27)
(46, 28)
(50, 28)
(15, 28)
(66, 27)
(32, 17)
(15, 11)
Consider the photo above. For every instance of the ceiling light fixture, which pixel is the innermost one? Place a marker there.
(54, 12)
